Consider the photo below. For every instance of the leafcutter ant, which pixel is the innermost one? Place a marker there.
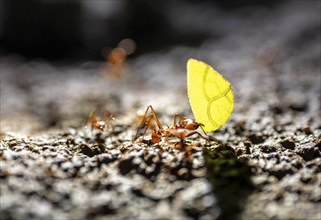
(182, 128)
(116, 58)
(100, 123)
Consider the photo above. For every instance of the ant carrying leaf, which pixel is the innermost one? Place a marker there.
(182, 128)
(101, 123)
(212, 102)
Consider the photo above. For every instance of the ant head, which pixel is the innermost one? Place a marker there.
(191, 124)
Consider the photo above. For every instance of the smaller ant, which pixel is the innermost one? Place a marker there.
(116, 58)
(98, 123)
(182, 128)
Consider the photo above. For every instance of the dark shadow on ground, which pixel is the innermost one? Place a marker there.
(230, 178)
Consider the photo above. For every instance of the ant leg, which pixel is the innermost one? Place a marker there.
(186, 148)
(156, 135)
(188, 152)
(195, 132)
(91, 120)
(181, 117)
(141, 125)
(146, 120)
(148, 123)
(216, 140)
(155, 117)
(108, 119)
(92, 116)
(182, 143)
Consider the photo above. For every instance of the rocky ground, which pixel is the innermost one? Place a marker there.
(266, 164)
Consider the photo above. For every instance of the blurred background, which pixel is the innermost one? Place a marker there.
(61, 59)
(54, 29)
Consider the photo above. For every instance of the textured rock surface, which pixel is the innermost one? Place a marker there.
(48, 178)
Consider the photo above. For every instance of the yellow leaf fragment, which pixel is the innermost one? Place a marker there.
(210, 95)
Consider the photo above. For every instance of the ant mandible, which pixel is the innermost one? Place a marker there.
(98, 123)
(182, 128)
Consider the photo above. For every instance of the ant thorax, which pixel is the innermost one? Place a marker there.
(179, 133)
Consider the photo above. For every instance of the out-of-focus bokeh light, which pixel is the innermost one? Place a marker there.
(80, 29)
